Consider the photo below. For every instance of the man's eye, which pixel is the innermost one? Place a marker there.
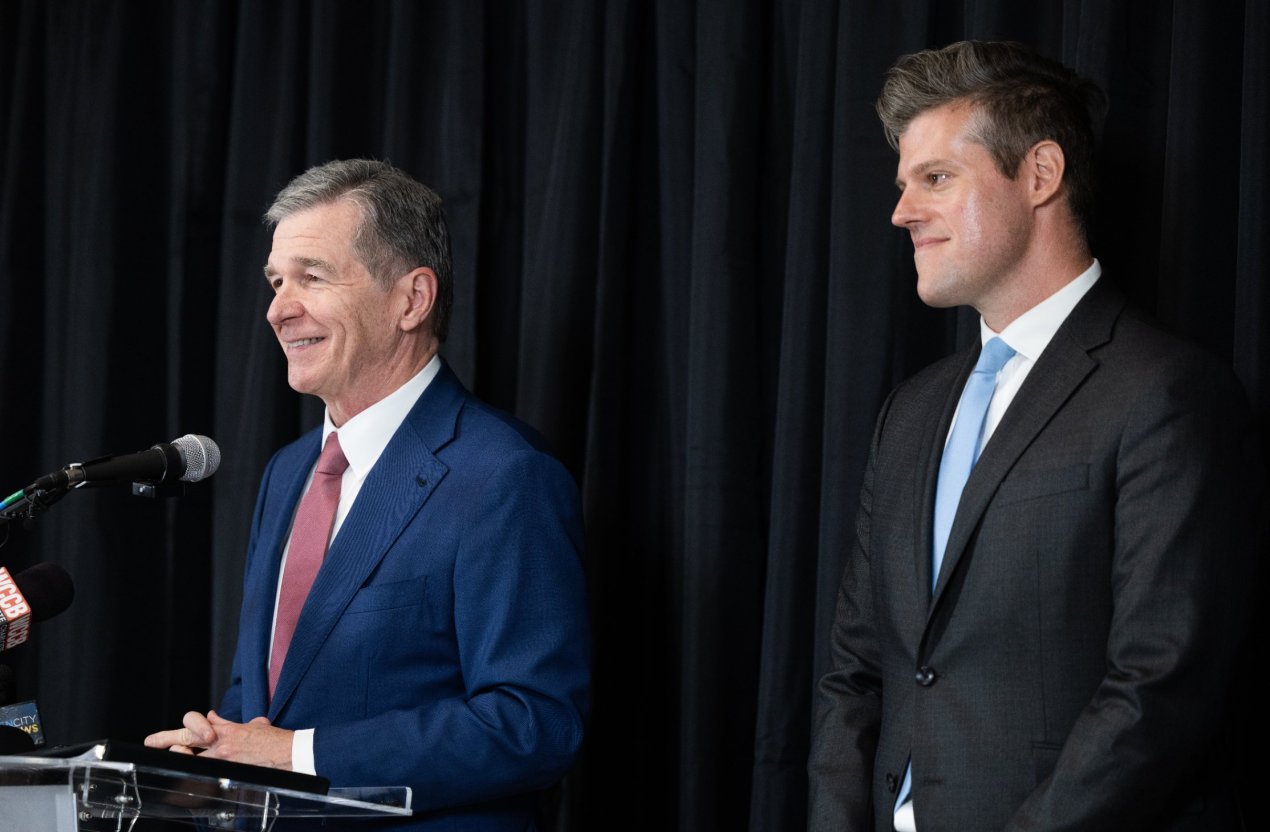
(936, 178)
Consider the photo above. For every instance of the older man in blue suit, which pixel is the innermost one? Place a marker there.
(413, 609)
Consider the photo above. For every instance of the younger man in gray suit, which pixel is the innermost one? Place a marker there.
(1037, 625)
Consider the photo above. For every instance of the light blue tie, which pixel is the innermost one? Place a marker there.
(962, 451)
(960, 455)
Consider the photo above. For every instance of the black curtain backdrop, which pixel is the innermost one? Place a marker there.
(673, 257)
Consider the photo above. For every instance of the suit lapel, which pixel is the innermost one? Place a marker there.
(397, 487)
(932, 451)
(1058, 373)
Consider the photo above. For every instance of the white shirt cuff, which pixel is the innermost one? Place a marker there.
(302, 752)
(904, 819)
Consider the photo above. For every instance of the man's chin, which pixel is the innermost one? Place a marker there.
(300, 382)
(933, 297)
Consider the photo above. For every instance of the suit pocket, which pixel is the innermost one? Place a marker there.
(389, 596)
(1032, 485)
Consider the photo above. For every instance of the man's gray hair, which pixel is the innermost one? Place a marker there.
(402, 228)
(1019, 99)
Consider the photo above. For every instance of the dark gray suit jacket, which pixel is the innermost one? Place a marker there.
(1070, 670)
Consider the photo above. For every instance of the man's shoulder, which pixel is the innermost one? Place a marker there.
(1140, 360)
(496, 429)
(490, 442)
(1139, 337)
(496, 457)
(1116, 332)
(449, 417)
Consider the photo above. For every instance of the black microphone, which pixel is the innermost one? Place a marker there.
(189, 459)
(36, 594)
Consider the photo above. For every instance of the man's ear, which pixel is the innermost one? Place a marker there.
(1043, 169)
(420, 290)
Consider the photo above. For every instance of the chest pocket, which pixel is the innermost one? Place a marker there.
(389, 596)
(1033, 485)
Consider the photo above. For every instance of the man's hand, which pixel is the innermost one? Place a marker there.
(197, 735)
(257, 742)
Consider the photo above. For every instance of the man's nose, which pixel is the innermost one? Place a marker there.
(283, 307)
(907, 208)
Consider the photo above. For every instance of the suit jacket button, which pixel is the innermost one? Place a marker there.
(892, 783)
(926, 676)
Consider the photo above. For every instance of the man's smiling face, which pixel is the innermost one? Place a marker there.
(337, 326)
(970, 224)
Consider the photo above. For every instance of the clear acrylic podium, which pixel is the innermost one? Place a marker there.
(42, 794)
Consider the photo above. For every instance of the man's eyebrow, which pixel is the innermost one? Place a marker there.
(302, 262)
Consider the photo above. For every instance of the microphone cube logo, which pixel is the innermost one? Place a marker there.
(24, 716)
(15, 612)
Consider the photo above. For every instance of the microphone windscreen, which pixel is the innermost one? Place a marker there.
(48, 588)
(200, 454)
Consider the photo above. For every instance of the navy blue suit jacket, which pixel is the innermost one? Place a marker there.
(444, 644)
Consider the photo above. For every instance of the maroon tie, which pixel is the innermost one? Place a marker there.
(309, 535)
